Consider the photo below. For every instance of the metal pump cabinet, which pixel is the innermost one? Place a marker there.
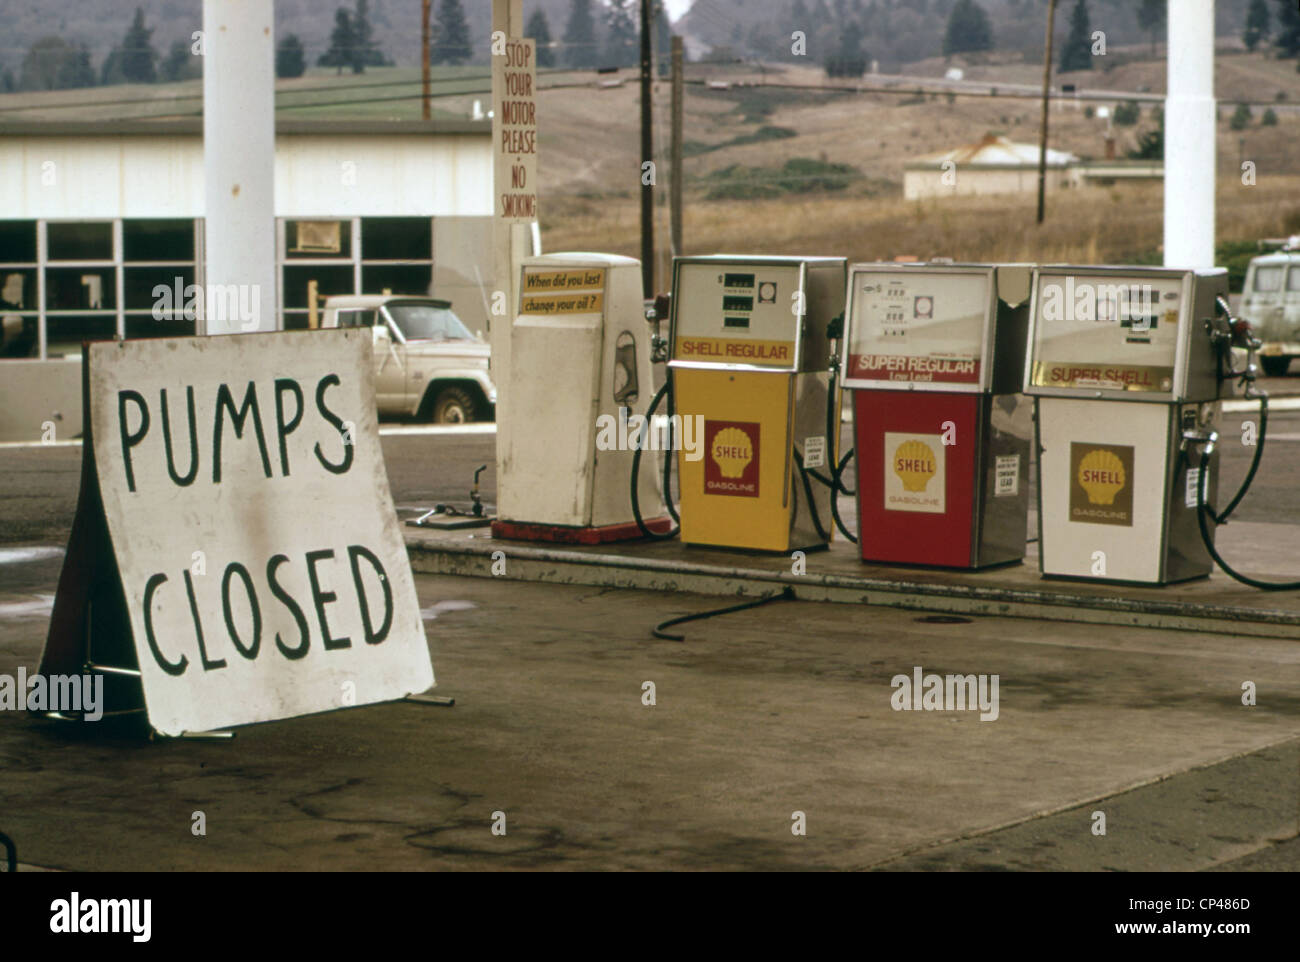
(933, 355)
(579, 374)
(750, 365)
(1120, 364)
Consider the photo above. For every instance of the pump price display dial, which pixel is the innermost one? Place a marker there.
(919, 325)
(1112, 331)
(737, 315)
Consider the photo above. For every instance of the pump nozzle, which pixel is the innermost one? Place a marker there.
(658, 312)
(1230, 335)
(1195, 437)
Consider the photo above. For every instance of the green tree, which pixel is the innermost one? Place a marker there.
(44, 62)
(1269, 119)
(365, 52)
(451, 35)
(110, 72)
(622, 33)
(1127, 114)
(138, 56)
(540, 31)
(76, 71)
(289, 58)
(580, 35)
(1287, 39)
(1257, 24)
(180, 63)
(54, 64)
(663, 39)
(968, 29)
(1151, 145)
(342, 39)
(1151, 19)
(1077, 52)
(849, 60)
(1241, 117)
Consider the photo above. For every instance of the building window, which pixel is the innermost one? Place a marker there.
(318, 239)
(100, 280)
(79, 241)
(358, 255)
(159, 277)
(158, 240)
(17, 241)
(397, 239)
(19, 313)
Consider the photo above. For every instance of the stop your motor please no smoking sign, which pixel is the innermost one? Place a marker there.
(235, 515)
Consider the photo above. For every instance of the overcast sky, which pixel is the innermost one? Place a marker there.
(677, 7)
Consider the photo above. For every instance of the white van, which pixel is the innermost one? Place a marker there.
(1270, 300)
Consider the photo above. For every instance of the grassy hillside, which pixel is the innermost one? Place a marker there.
(807, 167)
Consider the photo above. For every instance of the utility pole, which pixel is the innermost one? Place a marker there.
(425, 6)
(675, 175)
(1042, 136)
(647, 157)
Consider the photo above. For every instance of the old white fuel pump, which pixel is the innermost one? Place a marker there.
(1122, 365)
(579, 387)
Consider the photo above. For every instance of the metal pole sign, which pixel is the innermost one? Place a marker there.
(514, 86)
(235, 537)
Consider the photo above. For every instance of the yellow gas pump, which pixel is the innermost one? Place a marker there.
(750, 367)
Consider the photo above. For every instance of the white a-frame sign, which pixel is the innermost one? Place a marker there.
(235, 540)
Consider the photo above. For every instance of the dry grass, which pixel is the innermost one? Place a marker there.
(1096, 225)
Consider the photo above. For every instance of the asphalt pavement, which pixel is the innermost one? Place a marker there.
(761, 725)
(603, 747)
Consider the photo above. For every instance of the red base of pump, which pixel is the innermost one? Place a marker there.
(563, 534)
(915, 493)
(938, 484)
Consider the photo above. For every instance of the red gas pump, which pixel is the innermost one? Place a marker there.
(934, 355)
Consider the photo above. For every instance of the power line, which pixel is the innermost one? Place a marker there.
(722, 88)
(165, 100)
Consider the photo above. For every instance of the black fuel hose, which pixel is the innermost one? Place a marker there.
(808, 493)
(636, 471)
(836, 481)
(1204, 510)
(1254, 463)
(835, 501)
(786, 594)
(668, 459)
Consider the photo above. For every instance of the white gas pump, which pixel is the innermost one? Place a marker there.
(1121, 365)
(579, 388)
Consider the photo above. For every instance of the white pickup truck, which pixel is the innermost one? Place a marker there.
(427, 363)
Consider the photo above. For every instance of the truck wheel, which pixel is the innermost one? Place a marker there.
(453, 405)
(1275, 366)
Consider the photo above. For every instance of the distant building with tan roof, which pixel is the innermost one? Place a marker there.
(995, 165)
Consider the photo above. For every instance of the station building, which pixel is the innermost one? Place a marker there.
(94, 217)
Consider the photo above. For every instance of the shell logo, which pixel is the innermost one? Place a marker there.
(914, 465)
(1101, 475)
(732, 451)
